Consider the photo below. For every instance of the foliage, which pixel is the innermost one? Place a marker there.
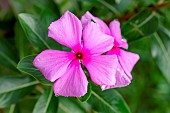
(23, 34)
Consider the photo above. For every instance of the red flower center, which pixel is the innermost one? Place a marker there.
(79, 55)
(115, 45)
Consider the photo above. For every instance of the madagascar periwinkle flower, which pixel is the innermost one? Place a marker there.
(87, 46)
(126, 60)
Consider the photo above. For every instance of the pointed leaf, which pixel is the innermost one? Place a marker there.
(14, 88)
(72, 105)
(33, 7)
(47, 103)
(21, 41)
(108, 101)
(141, 25)
(36, 31)
(25, 65)
(8, 57)
(161, 51)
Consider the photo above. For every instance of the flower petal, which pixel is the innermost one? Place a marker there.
(89, 17)
(122, 79)
(116, 33)
(102, 69)
(113, 51)
(73, 82)
(53, 63)
(67, 31)
(95, 41)
(127, 60)
(115, 30)
(123, 44)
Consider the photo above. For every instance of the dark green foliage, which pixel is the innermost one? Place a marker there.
(24, 33)
(14, 88)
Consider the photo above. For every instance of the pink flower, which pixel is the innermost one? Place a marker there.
(126, 60)
(87, 48)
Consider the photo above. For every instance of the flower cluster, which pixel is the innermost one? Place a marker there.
(88, 39)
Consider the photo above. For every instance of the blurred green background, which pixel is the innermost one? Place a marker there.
(144, 23)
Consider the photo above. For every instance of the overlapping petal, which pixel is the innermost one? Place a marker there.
(109, 71)
(116, 33)
(114, 51)
(89, 17)
(67, 31)
(96, 41)
(53, 63)
(73, 82)
(127, 60)
(102, 69)
(122, 79)
(115, 30)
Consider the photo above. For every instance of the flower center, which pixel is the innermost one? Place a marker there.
(79, 55)
(115, 45)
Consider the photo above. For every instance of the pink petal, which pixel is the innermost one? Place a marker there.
(122, 79)
(115, 30)
(102, 69)
(73, 82)
(114, 51)
(95, 41)
(67, 31)
(88, 17)
(116, 33)
(53, 63)
(123, 44)
(127, 60)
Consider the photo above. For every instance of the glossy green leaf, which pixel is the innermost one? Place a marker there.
(161, 51)
(21, 41)
(14, 88)
(47, 103)
(143, 24)
(33, 7)
(72, 105)
(108, 101)
(36, 31)
(46, 17)
(26, 66)
(8, 56)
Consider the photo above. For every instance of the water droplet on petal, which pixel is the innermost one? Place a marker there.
(57, 94)
(118, 69)
(103, 87)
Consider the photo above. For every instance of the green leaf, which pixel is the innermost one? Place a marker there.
(72, 105)
(26, 105)
(110, 7)
(8, 57)
(35, 31)
(21, 41)
(161, 51)
(108, 101)
(46, 17)
(87, 95)
(26, 66)
(47, 103)
(14, 88)
(33, 7)
(141, 25)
